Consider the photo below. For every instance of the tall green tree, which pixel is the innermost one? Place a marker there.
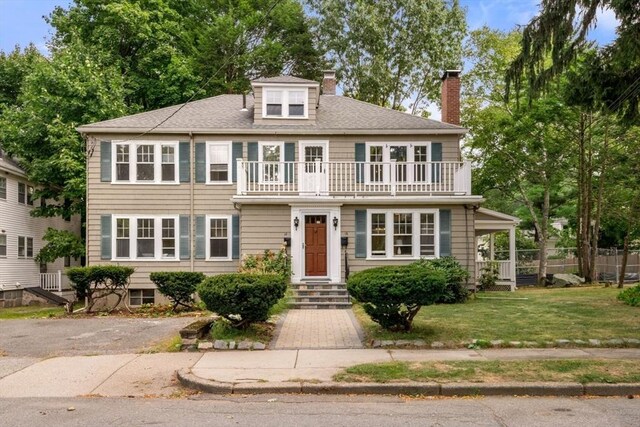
(14, 67)
(392, 53)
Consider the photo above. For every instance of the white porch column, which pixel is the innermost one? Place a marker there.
(492, 247)
(512, 256)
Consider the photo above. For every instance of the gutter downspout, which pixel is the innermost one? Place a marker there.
(192, 222)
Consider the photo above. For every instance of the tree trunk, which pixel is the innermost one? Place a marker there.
(598, 207)
(625, 257)
(542, 245)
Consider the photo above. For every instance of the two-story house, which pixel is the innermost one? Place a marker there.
(346, 185)
(21, 239)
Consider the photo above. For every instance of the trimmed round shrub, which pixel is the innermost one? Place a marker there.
(178, 286)
(456, 290)
(393, 295)
(242, 298)
(99, 281)
(631, 296)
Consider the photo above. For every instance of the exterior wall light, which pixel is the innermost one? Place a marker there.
(296, 222)
(335, 223)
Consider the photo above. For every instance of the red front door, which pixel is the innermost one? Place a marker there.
(315, 245)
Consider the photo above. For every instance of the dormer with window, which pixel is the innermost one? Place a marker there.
(285, 100)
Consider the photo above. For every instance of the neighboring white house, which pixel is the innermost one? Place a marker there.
(21, 235)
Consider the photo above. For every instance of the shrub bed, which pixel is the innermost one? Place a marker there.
(631, 296)
(178, 286)
(242, 298)
(393, 295)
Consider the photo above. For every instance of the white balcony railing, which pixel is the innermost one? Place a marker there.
(51, 281)
(353, 178)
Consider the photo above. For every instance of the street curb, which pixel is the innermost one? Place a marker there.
(190, 380)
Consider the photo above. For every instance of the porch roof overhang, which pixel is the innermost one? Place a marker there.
(490, 221)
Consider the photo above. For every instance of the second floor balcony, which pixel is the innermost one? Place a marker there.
(348, 178)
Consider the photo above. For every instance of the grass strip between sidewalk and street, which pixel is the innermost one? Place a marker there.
(582, 371)
(536, 315)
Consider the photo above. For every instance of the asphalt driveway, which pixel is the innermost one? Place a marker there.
(85, 336)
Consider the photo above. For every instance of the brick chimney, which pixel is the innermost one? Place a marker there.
(451, 97)
(329, 82)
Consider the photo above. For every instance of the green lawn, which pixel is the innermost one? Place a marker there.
(582, 371)
(30, 312)
(545, 315)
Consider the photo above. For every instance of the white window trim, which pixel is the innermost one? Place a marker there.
(386, 160)
(33, 249)
(6, 245)
(261, 179)
(415, 240)
(229, 238)
(157, 162)
(26, 194)
(285, 102)
(6, 188)
(229, 162)
(133, 237)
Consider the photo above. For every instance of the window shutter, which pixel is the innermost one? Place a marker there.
(105, 161)
(445, 232)
(201, 237)
(201, 162)
(105, 236)
(235, 237)
(185, 241)
(185, 162)
(361, 157)
(436, 156)
(361, 233)
(252, 156)
(289, 156)
(236, 153)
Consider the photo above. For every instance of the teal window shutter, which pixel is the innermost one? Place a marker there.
(289, 156)
(105, 236)
(236, 153)
(105, 161)
(185, 162)
(201, 237)
(201, 162)
(445, 232)
(436, 156)
(235, 236)
(252, 156)
(185, 241)
(361, 233)
(361, 157)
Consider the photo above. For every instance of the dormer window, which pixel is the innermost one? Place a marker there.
(285, 103)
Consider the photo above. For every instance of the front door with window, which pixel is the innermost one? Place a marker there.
(315, 245)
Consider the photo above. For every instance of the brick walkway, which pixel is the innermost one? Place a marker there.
(318, 329)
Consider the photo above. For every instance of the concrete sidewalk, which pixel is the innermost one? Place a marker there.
(153, 375)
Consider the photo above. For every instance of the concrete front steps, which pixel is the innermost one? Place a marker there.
(318, 295)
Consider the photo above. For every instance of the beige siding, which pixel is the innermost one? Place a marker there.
(263, 227)
(342, 148)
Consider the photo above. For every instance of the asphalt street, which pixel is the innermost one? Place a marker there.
(299, 410)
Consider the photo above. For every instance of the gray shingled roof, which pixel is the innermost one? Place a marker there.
(284, 79)
(223, 114)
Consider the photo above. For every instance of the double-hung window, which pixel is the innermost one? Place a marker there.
(3, 245)
(25, 194)
(270, 157)
(402, 233)
(25, 247)
(145, 162)
(3, 188)
(398, 162)
(145, 237)
(219, 160)
(285, 102)
(219, 237)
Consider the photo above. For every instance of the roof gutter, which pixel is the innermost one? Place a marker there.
(279, 131)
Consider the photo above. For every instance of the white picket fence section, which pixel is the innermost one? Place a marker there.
(51, 281)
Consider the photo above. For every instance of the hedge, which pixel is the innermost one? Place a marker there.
(178, 286)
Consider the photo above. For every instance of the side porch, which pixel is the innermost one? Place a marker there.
(488, 222)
